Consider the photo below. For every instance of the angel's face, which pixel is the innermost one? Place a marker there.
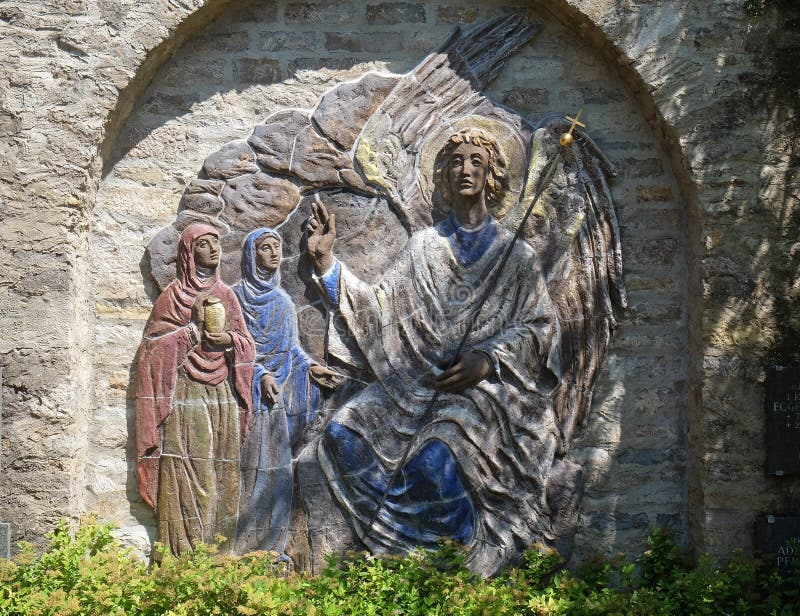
(468, 170)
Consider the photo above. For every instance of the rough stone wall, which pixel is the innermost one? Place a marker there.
(723, 80)
(710, 251)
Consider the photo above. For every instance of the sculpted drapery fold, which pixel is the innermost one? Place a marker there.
(266, 457)
(502, 432)
(389, 155)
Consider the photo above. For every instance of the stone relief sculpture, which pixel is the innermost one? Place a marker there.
(421, 181)
(286, 395)
(193, 388)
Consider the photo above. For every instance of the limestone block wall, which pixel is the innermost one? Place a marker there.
(704, 130)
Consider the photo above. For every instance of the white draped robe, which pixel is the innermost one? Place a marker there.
(502, 431)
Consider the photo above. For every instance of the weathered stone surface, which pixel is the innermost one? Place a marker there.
(57, 109)
(321, 12)
(328, 531)
(376, 42)
(289, 143)
(401, 125)
(662, 253)
(355, 101)
(654, 193)
(203, 196)
(287, 151)
(5, 540)
(233, 159)
(456, 14)
(289, 41)
(311, 162)
(189, 428)
(273, 141)
(395, 13)
(187, 76)
(526, 97)
(258, 200)
(257, 70)
(223, 42)
(641, 168)
(359, 220)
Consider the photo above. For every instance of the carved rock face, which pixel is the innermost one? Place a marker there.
(258, 200)
(343, 111)
(232, 160)
(369, 237)
(203, 196)
(258, 182)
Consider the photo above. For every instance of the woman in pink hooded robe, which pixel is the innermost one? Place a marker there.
(193, 397)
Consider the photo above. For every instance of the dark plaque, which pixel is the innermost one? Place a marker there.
(5, 540)
(783, 420)
(778, 537)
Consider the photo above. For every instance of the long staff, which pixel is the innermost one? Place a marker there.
(565, 141)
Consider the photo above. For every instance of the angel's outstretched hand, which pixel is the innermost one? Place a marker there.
(321, 235)
(324, 377)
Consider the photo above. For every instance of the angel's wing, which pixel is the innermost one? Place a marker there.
(574, 230)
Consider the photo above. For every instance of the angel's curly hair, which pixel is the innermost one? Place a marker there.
(496, 181)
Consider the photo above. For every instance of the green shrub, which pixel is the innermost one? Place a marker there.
(89, 573)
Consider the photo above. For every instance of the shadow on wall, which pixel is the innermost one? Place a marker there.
(736, 108)
(140, 511)
(246, 58)
(747, 166)
(261, 42)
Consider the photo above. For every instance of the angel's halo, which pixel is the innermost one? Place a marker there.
(507, 137)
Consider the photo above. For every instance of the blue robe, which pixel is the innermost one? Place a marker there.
(267, 479)
(428, 502)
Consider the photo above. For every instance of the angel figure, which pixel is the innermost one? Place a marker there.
(286, 395)
(476, 473)
(193, 394)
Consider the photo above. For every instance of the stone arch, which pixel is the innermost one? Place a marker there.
(564, 13)
(156, 55)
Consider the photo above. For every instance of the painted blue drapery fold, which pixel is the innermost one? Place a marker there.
(468, 245)
(271, 318)
(266, 459)
(426, 504)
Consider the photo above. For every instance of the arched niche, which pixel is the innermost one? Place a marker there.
(259, 58)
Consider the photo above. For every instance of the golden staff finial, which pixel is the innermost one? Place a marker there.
(566, 139)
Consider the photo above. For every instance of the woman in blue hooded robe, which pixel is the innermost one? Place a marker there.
(286, 395)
